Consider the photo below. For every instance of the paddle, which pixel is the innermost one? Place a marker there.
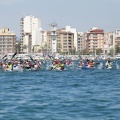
(34, 60)
(16, 58)
(4, 56)
(97, 62)
(13, 55)
(5, 59)
(31, 58)
(51, 57)
(105, 67)
(55, 67)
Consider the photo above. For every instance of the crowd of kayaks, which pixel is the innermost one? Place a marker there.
(19, 65)
(90, 64)
(56, 64)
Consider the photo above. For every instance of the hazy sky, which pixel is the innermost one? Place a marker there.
(80, 14)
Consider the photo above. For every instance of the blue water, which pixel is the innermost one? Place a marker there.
(60, 95)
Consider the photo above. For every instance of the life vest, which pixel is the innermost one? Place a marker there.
(9, 66)
(56, 62)
(109, 65)
(61, 66)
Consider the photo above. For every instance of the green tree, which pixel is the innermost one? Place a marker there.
(25, 47)
(117, 49)
(111, 52)
(98, 51)
(85, 51)
(45, 48)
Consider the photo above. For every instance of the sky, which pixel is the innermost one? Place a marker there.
(79, 14)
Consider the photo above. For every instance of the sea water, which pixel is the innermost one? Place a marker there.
(60, 95)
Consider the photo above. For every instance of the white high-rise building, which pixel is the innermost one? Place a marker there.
(30, 33)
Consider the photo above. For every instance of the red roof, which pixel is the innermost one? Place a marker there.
(97, 31)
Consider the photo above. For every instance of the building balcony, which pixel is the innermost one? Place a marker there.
(69, 46)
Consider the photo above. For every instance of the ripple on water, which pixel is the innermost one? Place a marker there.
(54, 95)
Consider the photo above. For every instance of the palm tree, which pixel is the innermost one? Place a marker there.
(117, 49)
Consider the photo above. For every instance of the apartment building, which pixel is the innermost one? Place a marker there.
(80, 41)
(116, 40)
(75, 40)
(108, 42)
(94, 39)
(7, 41)
(64, 41)
(21, 34)
(30, 33)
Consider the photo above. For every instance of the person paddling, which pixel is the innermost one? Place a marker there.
(91, 63)
(108, 63)
(9, 65)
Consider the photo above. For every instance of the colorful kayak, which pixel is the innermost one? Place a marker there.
(87, 67)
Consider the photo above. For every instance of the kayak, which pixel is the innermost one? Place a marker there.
(30, 69)
(86, 67)
(10, 70)
(56, 68)
(108, 68)
(17, 68)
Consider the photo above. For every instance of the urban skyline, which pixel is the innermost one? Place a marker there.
(68, 41)
(80, 14)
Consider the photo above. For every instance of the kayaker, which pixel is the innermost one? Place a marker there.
(9, 65)
(91, 63)
(108, 63)
(61, 65)
(81, 64)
